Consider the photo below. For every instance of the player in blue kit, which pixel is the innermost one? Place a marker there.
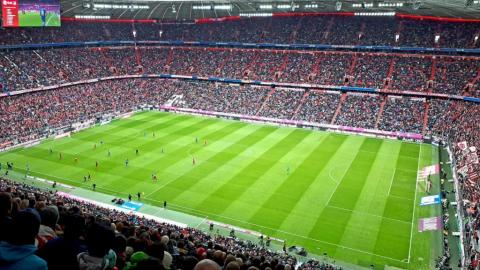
(43, 16)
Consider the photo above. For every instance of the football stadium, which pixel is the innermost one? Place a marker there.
(268, 135)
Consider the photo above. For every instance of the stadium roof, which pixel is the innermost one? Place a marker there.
(190, 10)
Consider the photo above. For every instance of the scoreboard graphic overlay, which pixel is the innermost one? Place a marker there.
(30, 13)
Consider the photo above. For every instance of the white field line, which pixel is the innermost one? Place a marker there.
(414, 204)
(201, 222)
(330, 175)
(338, 182)
(367, 214)
(391, 181)
(162, 186)
(399, 197)
(289, 233)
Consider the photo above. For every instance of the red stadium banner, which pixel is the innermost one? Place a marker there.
(9, 13)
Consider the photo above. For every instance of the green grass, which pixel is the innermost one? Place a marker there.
(349, 196)
(34, 19)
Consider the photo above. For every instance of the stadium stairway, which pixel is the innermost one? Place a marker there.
(339, 108)
(391, 68)
(169, 60)
(361, 32)
(235, 94)
(473, 82)
(380, 111)
(300, 104)
(426, 105)
(251, 66)
(265, 102)
(329, 28)
(351, 69)
(433, 69)
(282, 67)
(108, 60)
(219, 69)
(315, 66)
(293, 35)
(138, 56)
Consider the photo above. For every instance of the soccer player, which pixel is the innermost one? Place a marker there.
(96, 164)
(27, 169)
(288, 170)
(429, 185)
(76, 159)
(89, 177)
(108, 153)
(101, 142)
(126, 162)
(84, 179)
(164, 204)
(60, 156)
(138, 195)
(51, 151)
(196, 139)
(163, 151)
(129, 197)
(43, 16)
(154, 134)
(136, 152)
(94, 186)
(205, 142)
(193, 160)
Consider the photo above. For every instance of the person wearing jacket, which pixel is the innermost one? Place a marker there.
(18, 252)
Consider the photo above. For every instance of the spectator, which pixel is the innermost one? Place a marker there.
(17, 253)
(100, 239)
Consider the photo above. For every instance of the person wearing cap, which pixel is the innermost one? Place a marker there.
(18, 252)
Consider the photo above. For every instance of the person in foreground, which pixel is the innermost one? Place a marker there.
(18, 252)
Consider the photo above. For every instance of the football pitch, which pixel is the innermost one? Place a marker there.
(352, 197)
(33, 19)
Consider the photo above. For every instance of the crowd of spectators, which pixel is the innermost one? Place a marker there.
(48, 230)
(299, 68)
(403, 114)
(456, 124)
(333, 68)
(266, 65)
(411, 73)
(453, 74)
(359, 110)
(337, 30)
(370, 71)
(445, 74)
(204, 96)
(281, 104)
(197, 61)
(238, 64)
(318, 107)
(249, 100)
